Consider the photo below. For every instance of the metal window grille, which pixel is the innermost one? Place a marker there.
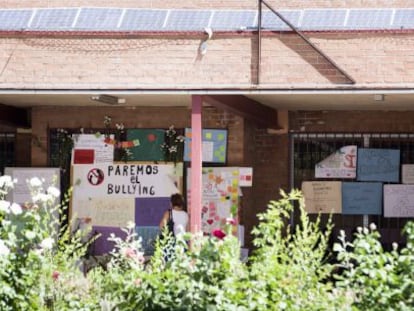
(7, 150)
(307, 149)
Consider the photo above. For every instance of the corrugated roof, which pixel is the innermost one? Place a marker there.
(141, 20)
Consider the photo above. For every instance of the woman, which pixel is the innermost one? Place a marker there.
(178, 214)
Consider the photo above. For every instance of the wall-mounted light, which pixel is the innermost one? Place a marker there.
(379, 97)
(108, 99)
(203, 45)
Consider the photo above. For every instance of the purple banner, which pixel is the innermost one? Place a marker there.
(101, 245)
(149, 211)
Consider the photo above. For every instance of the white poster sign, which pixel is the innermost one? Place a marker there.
(92, 149)
(123, 180)
(21, 192)
(341, 164)
(398, 200)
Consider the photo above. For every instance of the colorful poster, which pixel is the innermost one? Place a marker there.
(322, 197)
(220, 186)
(214, 145)
(341, 164)
(91, 149)
(362, 198)
(398, 200)
(378, 165)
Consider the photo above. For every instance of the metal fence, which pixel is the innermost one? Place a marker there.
(307, 149)
(7, 150)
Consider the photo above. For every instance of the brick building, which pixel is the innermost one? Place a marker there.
(343, 73)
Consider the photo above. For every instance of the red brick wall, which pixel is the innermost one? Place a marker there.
(352, 121)
(370, 58)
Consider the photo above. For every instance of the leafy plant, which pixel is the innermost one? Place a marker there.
(378, 279)
(289, 270)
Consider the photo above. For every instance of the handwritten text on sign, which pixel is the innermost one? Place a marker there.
(322, 197)
(124, 180)
(398, 200)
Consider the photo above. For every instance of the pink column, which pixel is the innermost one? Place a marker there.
(196, 164)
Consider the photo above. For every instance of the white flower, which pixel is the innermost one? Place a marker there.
(373, 227)
(35, 182)
(4, 250)
(16, 209)
(40, 197)
(47, 243)
(30, 234)
(6, 181)
(55, 192)
(394, 246)
(4, 206)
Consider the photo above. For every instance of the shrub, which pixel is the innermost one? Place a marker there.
(378, 279)
(290, 270)
(38, 271)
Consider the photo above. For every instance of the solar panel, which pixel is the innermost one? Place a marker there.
(53, 19)
(14, 19)
(189, 20)
(231, 20)
(323, 19)
(404, 19)
(114, 19)
(369, 19)
(98, 19)
(271, 21)
(143, 20)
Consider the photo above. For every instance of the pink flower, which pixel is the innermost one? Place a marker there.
(218, 233)
(55, 275)
(137, 282)
(130, 253)
(230, 221)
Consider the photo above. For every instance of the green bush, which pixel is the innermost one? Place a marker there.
(378, 279)
(290, 268)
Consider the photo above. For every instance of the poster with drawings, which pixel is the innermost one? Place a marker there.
(221, 194)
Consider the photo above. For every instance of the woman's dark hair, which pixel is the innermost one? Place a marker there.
(177, 200)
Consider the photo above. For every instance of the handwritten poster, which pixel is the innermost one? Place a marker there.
(91, 149)
(21, 192)
(378, 165)
(398, 200)
(362, 198)
(214, 145)
(407, 171)
(322, 197)
(341, 164)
